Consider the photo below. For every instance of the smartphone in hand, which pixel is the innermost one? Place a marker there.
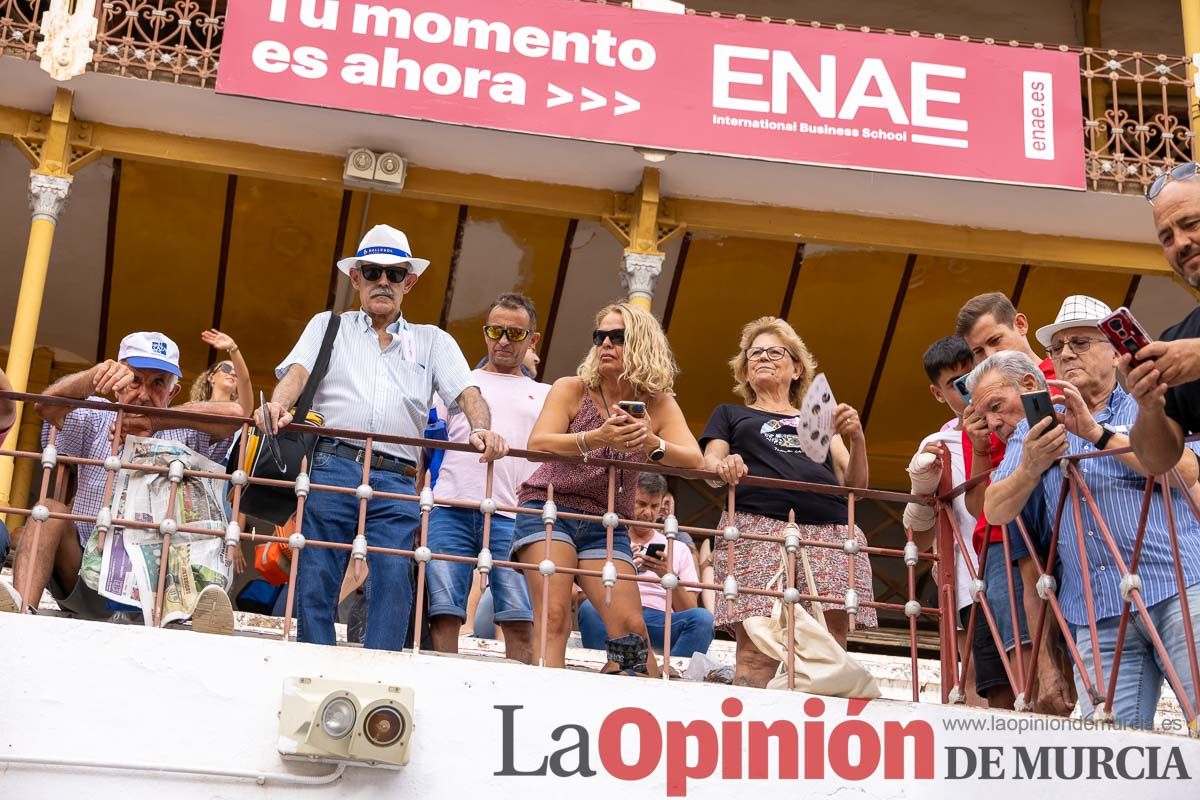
(656, 549)
(960, 385)
(1038, 407)
(634, 408)
(1125, 332)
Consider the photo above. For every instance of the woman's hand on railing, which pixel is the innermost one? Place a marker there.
(729, 469)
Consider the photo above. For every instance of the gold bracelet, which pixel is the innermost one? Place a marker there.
(232, 350)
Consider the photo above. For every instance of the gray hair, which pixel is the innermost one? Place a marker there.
(1012, 365)
(652, 483)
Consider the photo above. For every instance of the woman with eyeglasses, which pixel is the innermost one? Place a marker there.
(225, 380)
(772, 372)
(618, 406)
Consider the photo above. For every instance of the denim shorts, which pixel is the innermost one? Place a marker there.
(459, 532)
(589, 538)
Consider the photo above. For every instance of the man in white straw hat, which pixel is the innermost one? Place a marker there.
(1098, 415)
(382, 376)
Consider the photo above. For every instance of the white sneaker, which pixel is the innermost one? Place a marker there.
(213, 613)
(10, 601)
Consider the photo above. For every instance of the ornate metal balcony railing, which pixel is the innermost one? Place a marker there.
(1135, 105)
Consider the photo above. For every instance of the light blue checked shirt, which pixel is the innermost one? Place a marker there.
(1117, 490)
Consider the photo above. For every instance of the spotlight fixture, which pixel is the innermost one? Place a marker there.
(345, 722)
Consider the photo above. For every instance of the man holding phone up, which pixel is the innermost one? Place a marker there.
(1098, 415)
(1166, 383)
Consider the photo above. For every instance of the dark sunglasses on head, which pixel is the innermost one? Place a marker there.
(1180, 173)
(616, 336)
(494, 332)
(394, 274)
(225, 367)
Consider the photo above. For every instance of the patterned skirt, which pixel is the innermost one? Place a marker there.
(757, 563)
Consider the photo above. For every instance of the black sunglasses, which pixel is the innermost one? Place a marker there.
(616, 336)
(494, 332)
(371, 272)
(225, 367)
(1180, 173)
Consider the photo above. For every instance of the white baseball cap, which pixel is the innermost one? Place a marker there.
(1078, 311)
(384, 245)
(150, 350)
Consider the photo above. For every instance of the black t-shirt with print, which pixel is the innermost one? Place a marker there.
(1183, 402)
(769, 445)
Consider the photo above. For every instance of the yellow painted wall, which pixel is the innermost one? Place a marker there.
(165, 255)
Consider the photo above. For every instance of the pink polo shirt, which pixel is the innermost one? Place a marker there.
(653, 594)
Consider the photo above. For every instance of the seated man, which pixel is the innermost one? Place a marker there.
(691, 626)
(146, 373)
(1098, 415)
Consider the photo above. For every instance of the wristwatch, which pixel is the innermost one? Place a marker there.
(1108, 433)
(657, 453)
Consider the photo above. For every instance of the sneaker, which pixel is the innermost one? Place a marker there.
(213, 613)
(10, 601)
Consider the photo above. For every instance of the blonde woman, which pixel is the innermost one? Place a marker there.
(224, 380)
(772, 371)
(630, 360)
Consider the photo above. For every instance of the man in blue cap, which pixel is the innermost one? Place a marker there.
(146, 373)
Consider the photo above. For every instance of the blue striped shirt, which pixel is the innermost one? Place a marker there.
(1117, 490)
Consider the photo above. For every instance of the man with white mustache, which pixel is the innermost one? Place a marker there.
(383, 373)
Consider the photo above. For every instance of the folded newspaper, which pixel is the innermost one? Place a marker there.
(127, 569)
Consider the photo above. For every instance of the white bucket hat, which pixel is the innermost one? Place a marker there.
(1077, 311)
(384, 245)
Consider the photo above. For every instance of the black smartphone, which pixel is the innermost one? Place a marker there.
(634, 408)
(960, 385)
(1038, 407)
(656, 549)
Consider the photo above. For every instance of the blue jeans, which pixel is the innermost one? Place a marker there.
(333, 517)
(1140, 681)
(459, 532)
(997, 596)
(691, 630)
(589, 538)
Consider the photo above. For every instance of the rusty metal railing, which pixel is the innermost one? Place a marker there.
(1135, 105)
(789, 539)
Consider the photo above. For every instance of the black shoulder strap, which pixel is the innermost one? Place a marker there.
(319, 368)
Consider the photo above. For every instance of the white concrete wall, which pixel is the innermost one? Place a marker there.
(103, 692)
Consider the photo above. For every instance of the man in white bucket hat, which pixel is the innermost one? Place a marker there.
(1098, 415)
(382, 376)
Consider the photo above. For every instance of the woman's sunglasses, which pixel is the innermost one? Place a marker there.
(225, 367)
(371, 272)
(494, 332)
(616, 336)
(1181, 173)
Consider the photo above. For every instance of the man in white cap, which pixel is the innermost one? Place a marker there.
(146, 373)
(1097, 416)
(381, 379)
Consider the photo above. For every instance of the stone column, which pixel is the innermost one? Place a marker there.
(639, 274)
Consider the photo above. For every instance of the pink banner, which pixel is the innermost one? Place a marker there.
(790, 93)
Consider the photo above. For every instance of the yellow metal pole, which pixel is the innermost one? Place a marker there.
(637, 227)
(49, 184)
(1191, 43)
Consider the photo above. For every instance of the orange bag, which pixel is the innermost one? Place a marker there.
(273, 560)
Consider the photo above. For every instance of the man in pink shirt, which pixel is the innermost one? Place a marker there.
(691, 624)
(515, 400)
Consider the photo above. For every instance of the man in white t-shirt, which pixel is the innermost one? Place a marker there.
(691, 623)
(515, 400)
(945, 361)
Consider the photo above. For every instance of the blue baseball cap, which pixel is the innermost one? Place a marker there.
(150, 350)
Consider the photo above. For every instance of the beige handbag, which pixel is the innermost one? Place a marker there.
(821, 665)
